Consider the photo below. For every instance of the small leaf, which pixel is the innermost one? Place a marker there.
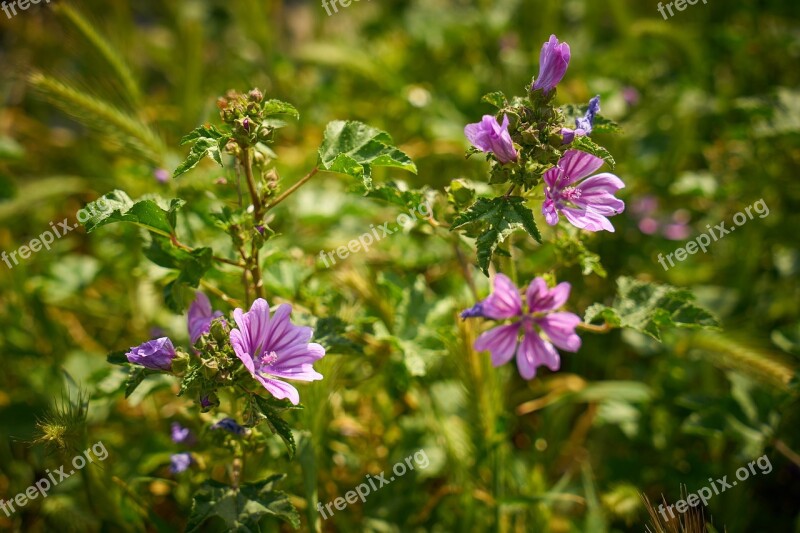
(585, 144)
(117, 358)
(502, 216)
(242, 508)
(208, 141)
(135, 378)
(277, 107)
(330, 333)
(117, 206)
(353, 148)
(277, 424)
(497, 99)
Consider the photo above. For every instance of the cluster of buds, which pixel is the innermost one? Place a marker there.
(244, 113)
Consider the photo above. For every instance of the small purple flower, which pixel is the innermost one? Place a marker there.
(584, 202)
(273, 347)
(182, 435)
(584, 124)
(161, 175)
(200, 317)
(630, 95)
(155, 355)
(476, 311)
(246, 123)
(533, 351)
(230, 425)
(179, 462)
(553, 62)
(489, 136)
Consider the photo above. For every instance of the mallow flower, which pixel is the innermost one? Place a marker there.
(182, 435)
(155, 355)
(584, 201)
(179, 462)
(541, 317)
(200, 317)
(553, 62)
(230, 425)
(489, 136)
(584, 124)
(273, 349)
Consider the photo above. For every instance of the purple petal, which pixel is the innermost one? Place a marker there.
(549, 211)
(504, 302)
(281, 389)
(553, 63)
(587, 218)
(155, 355)
(560, 329)
(541, 298)
(576, 166)
(500, 341)
(535, 352)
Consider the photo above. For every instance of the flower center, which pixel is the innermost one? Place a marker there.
(570, 193)
(268, 358)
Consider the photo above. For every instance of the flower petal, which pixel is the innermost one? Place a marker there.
(587, 218)
(576, 165)
(280, 389)
(500, 341)
(560, 329)
(541, 298)
(504, 302)
(535, 352)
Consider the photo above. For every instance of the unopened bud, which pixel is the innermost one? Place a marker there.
(256, 95)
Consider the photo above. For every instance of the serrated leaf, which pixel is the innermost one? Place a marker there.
(117, 206)
(277, 107)
(651, 307)
(242, 508)
(502, 216)
(497, 99)
(277, 425)
(410, 199)
(353, 148)
(586, 144)
(135, 379)
(202, 132)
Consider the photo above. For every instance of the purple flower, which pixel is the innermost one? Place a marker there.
(156, 354)
(182, 435)
(179, 462)
(584, 124)
(230, 425)
(200, 317)
(533, 351)
(584, 202)
(273, 347)
(161, 175)
(553, 62)
(489, 136)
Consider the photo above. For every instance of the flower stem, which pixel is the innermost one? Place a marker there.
(293, 188)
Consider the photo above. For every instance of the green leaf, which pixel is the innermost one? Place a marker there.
(586, 144)
(208, 141)
(353, 148)
(242, 508)
(153, 214)
(330, 333)
(191, 266)
(497, 99)
(391, 193)
(135, 378)
(501, 216)
(650, 307)
(117, 358)
(269, 410)
(277, 107)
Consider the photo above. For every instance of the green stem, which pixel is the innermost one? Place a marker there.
(293, 188)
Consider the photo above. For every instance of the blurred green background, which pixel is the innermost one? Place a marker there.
(709, 101)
